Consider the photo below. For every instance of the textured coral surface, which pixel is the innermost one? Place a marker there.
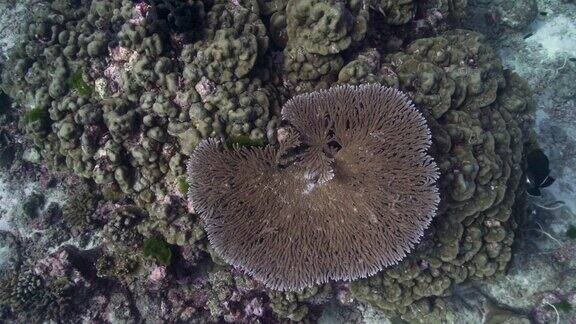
(103, 102)
(320, 206)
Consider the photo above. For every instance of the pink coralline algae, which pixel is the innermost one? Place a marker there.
(120, 59)
(205, 88)
(54, 265)
(140, 12)
(254, 308)
(157, 275)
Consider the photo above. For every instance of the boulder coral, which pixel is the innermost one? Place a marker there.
(480, 116)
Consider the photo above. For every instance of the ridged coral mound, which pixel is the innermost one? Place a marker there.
(116, 93)
(121, 92)
(480, 117)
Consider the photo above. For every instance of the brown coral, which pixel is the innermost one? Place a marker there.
(349, 190)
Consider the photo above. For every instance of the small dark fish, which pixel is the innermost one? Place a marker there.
(572, 59)
(543, 13)
(538, 172)
(529, 35)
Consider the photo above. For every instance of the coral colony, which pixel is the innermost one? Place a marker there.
(349, 190)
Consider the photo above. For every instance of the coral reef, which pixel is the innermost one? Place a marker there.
(27, 294)
(117, 134)
(170, 219)
(78, 210)
(52, 289)
(121, 92)
(515, 14)
(120, 230)
(121, 266)
(480, 116)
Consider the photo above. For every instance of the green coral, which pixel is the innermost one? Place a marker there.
(76, 81)
(317, 32)
(194, 70)
(158, 250)
(28, 297)
(325, 27)
(170, 220)
(157, 95)
(78, 209)
(309, 71)
(295, 306)
(395, 12)
(364, 69)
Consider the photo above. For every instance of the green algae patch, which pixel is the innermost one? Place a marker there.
(34, 115)
(244, 141)
(76, 82)
(563, 306)
(158, 250)
(183, 185)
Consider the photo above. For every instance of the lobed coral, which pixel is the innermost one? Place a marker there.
(157, 90)
(325, 27)
(169, 219)
(480, 116)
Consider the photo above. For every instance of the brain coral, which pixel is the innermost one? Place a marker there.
(354, 198)
(480, 117)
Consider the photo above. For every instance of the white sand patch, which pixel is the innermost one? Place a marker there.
(11, 198)
(13, 195)
(556, 37)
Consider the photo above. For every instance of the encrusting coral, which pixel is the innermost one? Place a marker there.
(349, 190)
